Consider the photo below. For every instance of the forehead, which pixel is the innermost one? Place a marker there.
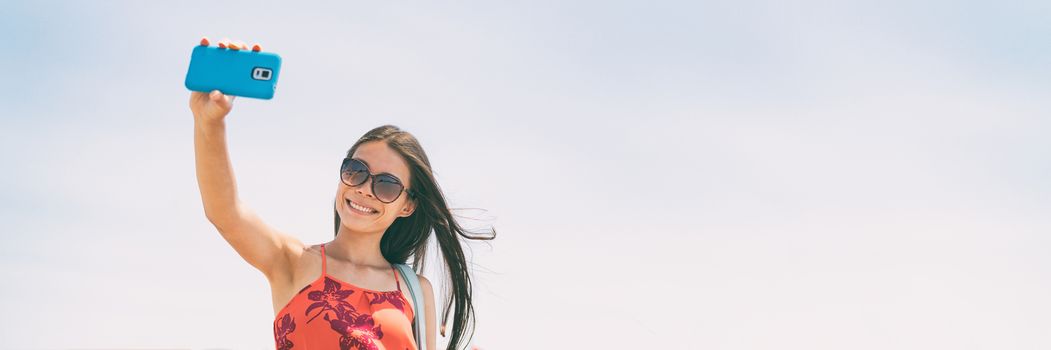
(382, 159)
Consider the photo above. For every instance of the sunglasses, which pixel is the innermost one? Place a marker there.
(386, 187)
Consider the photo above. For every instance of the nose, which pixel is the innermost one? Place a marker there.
(365, 188)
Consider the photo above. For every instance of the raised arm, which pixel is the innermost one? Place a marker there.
(265, 248)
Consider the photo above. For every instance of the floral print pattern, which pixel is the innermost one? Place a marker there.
(392, 297)
(282, 329)
(357, 330)
(325, 299)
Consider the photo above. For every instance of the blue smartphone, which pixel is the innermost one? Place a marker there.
(243, 73)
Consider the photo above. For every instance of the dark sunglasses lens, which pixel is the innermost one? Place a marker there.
(386, 188)
(354, 172)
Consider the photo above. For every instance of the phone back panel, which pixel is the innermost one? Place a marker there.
(241, 73)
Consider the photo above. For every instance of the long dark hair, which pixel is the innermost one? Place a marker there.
(408, 236)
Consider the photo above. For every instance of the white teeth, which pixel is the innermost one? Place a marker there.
(360, 208)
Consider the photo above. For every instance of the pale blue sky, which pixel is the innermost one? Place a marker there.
(710, 174)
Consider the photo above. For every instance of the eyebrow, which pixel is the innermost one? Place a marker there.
(370, 169)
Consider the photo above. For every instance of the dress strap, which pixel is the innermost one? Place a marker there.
(323, 258)
(396, 277)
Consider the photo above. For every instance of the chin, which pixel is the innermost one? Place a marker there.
(358, 223)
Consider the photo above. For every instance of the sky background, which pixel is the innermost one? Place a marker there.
(696, 174)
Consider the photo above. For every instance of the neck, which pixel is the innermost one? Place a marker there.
(358, 248)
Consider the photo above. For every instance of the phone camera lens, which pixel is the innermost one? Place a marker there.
(260, 73)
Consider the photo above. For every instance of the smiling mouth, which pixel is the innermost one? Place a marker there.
(353, 206)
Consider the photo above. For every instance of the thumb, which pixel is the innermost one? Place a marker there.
(220, 99)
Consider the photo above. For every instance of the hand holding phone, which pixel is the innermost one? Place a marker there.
(213, 94)
(233, 69)
(210, 107)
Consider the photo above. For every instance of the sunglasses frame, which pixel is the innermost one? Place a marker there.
(371, 178)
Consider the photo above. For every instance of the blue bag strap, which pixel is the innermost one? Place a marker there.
(416, 292)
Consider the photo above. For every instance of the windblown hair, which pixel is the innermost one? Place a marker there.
(408, 236)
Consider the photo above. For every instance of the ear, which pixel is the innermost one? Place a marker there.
(408, 208)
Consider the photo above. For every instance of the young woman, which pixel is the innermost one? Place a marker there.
(345, 292)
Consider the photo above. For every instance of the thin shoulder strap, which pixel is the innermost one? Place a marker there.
(324, 269)
(412, 283)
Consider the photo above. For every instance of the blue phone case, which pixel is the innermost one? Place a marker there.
(233, 72)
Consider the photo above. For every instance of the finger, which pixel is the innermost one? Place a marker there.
(222, 45)
(204, 41)
(257, 48)
(228, 101)
(195, 96)
(234, 46)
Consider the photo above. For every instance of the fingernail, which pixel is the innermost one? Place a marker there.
(204, 41)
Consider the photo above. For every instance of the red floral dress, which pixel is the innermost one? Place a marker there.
(332, 314)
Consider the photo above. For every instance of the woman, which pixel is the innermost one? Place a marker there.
(344, 292)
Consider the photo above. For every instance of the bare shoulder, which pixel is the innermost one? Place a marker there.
(424, 282)
(304, 255)
(297, 249)
(427, 290)
(428, 311)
